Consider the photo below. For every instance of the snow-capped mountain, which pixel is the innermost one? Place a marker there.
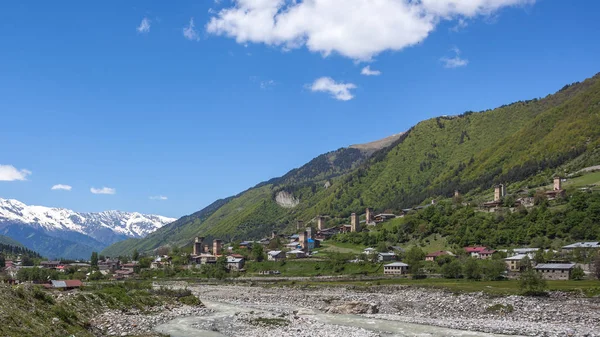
(95, 230)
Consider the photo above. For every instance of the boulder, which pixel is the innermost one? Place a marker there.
(354, 307)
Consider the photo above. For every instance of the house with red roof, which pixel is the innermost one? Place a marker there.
(433, 256)
(480, 252)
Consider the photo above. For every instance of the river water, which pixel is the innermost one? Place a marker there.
(183, 327)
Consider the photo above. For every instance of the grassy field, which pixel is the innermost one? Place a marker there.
(584, 180)
(340, 247)
(509, 287)
(309, 267)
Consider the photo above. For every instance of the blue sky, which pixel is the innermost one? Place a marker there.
(120, 95)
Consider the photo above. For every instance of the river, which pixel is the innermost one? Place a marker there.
(222, 312)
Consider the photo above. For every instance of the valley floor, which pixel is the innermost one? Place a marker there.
(559, 314)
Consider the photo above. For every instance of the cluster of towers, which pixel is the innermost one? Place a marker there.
(199, 246)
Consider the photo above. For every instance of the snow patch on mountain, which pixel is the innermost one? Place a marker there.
(130, 224)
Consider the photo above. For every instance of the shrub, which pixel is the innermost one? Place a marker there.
(577, 274)
(452, 269)
(190, 300)
(532, 283)
(501, 308)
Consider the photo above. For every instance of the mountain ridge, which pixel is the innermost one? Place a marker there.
(80, 231)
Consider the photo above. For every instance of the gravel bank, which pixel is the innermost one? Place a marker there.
(557, 315)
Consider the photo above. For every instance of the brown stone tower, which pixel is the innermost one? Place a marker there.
(369, 215)
(499, 192)
(309, 232)
(299, 225)
(557, 184)
(303, 241)
(320, 223)
(197, 249)
(217, 247)
(273, 234)
(354, 223)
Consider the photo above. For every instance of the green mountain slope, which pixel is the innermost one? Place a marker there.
(5, 240)
(254, 211)
(521, 142)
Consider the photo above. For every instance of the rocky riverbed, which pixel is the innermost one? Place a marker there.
(559, 314)
(377, 311)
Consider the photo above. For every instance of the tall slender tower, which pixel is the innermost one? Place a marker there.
(197, 249)
(354, 223)
(217, 247)
(320, 223)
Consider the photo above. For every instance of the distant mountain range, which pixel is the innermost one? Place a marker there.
(59, 232)
(523, 143)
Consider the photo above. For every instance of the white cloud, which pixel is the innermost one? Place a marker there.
(190, 33)
(158, 197)
(358, 29)
(144, 26)
(367, 71)
(460, 25)
(103, 190)
(267, 84)
(454, 62)
(62, 187)
(339, 91)
(11, 173)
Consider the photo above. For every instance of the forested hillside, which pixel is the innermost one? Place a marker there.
(520, 143)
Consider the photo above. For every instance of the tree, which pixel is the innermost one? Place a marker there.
(577, 273)
(382, 247)
(27, 261)
(539, 256)
(162, 250)
(136, 255)
(2, 261)
(471, 269)
(94, 260)
(257, 253)
(597, 266)
(492, 269)
(532, 283)
(414, 258)
(452, 269)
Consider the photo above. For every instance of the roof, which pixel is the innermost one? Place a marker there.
(555, 266)
(583, 245)
(396, 264)
(234, 259)
(438, 253)
(517, 257)
(487, 251)
(66, 284)
(274, 252)
(124, 272)
(296, 251)
(475, 249)
(387, 254)
(369, 249)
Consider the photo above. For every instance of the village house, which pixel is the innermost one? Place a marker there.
(519, 251)
(515, 263)
(109, 264)
(296, 253)
(395, 268)
(582, 245)
(64, 285)
(246, 245)
(475, 251)
(160, 262)
(486, 254)
(129, 266)
(555, 271)
(235, 263)
(369, 251)
(384, 257)
(124, 274)
(433, 256)
(49, 264)
(384, 217)
(275, 255)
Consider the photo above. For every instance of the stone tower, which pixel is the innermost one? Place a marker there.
(354, 223)
(557, 184)
(217, 247)
(197, 249)
(499, 192)
(273, 234)
(303, 241)
(369, 215)
(456, 194)
(320, 223)
(309, 232)
(299, 225)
